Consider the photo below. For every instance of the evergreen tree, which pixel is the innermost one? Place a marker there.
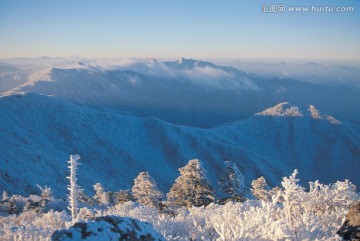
(5, 197)
(232, 182)
(260, 189)
(145, 190)
(124, 196)
(83, 198)
(8, 204)
(33, 206)
(46, 193)
(101, 196)
(191, 188)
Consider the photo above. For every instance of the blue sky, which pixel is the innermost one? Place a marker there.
(169, 28)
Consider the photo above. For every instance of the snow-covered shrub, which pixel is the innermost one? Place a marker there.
(293, 213)
(34, 204)
(294, 196)
(8, 206)
(13, 205)
(86, 214)
(260, 189)
(30, 226)
(344, 193)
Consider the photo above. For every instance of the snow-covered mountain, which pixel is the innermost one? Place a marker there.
(186, 92)
(38, 133)
(286, 109)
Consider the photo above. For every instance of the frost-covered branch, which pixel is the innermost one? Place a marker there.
(73, 187)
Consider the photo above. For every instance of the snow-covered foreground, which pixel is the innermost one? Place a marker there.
(292, 214)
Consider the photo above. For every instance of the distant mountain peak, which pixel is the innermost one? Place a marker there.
(180, 61)
(289, 110)
(191, 63)
(282, 109)
(151, 60)
(187, 61)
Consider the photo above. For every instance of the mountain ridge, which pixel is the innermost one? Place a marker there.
(200, 95)
(40, 132)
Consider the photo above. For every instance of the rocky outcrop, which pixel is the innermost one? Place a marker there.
(109, 228)
(350, 230)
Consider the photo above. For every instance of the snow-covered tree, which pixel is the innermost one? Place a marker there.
(73, 187)
(232, 182)
(293, 196)
(46, 193)
(5, 196)
(86, 214)
(8, 205)
(83, 198)
(124, 196)
(34, 206)
(260, 189)
(101, 196)
(191, 188)
(145, 190)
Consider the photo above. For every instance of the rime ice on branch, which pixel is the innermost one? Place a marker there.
(73, 187)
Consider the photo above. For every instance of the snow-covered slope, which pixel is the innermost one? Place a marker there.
(11, 77)
(321, 148)
(187, 92)
(38, 133)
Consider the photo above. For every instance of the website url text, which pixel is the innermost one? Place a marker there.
(282, 8)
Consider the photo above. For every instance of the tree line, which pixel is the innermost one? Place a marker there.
(191, 188)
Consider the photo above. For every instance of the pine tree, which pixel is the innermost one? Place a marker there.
(83, 198)
(33, 206)
(8, 204)
(124, 196)
(101, 196)
(73, 187)
(5, 197)
(232, 182)
(191, 188)
(46, 193)
(260, 189)
(145, 190)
